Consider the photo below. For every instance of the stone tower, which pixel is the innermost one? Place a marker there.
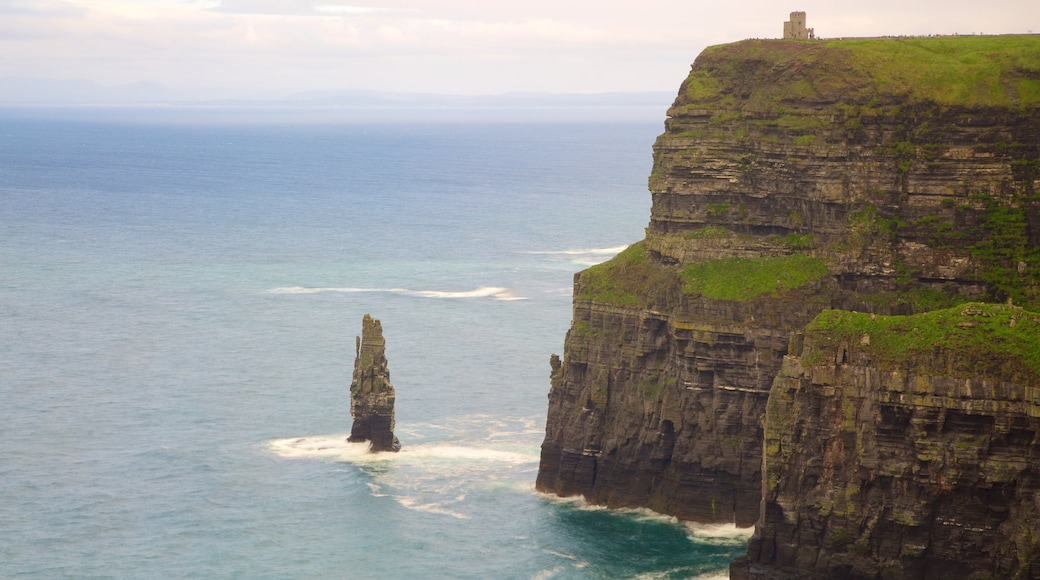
(795, 27)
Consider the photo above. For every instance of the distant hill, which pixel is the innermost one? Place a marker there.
(37, 91)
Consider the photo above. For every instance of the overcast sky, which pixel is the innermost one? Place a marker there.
(247, 47)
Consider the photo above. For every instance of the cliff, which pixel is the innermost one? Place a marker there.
(371, 394)
(904, 447)
(884, 176)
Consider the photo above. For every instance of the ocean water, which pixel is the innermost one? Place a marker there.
(179, 299)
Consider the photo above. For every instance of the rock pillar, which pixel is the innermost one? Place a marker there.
(371, 394)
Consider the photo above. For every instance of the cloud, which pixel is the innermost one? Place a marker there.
(39, 8)
(427, 45)
(296, 8)
(342, 9)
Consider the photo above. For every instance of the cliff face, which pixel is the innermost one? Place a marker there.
(659, 404)
(892, 456)
(887, 176)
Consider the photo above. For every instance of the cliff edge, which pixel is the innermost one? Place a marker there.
(904, 446)
(885, 176)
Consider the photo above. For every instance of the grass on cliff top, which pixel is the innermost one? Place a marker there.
(955, 70)
(628, 279)
(744, 279)
(986, 336)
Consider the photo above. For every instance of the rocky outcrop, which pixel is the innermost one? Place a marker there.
(371, 394)
(662, 408)
(890, 455)
(792, 178)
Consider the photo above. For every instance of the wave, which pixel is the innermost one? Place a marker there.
(580, 503)
(581, 252)
(432, 508)
(324, 447)
(718, 534)
(429, 477)
(337, 447)
(583, 256)
(548, 573)
(714, 534)
(494, 292)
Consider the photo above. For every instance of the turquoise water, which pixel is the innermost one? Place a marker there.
(179, 302)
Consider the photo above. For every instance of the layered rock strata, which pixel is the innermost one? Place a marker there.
(371, 394)
(889, 455)
(792, 177)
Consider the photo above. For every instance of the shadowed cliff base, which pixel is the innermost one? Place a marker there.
(882, 176)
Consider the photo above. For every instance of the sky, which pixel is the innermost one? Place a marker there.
(247, 48)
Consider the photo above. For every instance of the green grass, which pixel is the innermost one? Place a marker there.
(981, 338)
(919, 299)
(805, 140)
(1004, 248)
(629, 279)
(797, 241)
(961, 70)
(744, 279)
(710, 233)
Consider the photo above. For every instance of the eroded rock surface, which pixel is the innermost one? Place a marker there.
(923, 467)
(371, 394)
(792, 178)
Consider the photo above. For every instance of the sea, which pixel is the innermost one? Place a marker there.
(180, 292)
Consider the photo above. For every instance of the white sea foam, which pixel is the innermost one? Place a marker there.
(322, 447)
(638, 514)
(376, 489)
(718, 533)
(496, 292)
(713, 534)
(412, 503)
(548, 573)
(578, 562)
(583, 252)
(434, 474)
(583, 256)
(493, 292)
(336, 447)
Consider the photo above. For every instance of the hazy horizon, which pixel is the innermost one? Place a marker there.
(272, 49)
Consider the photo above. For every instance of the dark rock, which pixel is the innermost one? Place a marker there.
(371, 394)
(916, 470)
(899, 198)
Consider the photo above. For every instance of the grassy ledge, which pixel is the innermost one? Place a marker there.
(744, 279)
(628, 279)
(984, 338)
(968, 71)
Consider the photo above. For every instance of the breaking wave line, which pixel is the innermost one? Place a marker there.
(583, 256)
(582, 252)
(493, 292)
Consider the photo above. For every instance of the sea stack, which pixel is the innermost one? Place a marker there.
(371, 394)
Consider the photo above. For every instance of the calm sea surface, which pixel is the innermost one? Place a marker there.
(178, 306)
